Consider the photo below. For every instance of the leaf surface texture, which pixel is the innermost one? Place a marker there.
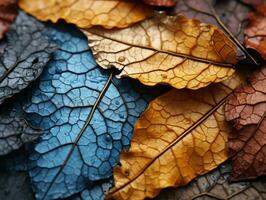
(182, 134)
(24, 56)
(181, 52)
(246, 108)
(87, 13)
(87, 117)
(216, 186)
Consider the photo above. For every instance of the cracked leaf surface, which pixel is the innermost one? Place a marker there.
(87, 117)
(14, 129)
(181, 52)
(232, 13)
(216, 186)
(24, 56)
(246, 108)
(255, 32)
(87, 13)
(182, 134)
(8, 12)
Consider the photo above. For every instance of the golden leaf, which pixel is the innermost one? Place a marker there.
(181, 135)
(176, 50)
(87, 13)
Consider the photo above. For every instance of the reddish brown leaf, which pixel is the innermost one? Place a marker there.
(8, 12)
(255, 33)
(231, 13)
(253, 2)
(246, 108)
(166, 3)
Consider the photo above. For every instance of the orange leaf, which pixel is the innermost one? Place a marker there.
(181, 135)
(87, 13)
(171, 50)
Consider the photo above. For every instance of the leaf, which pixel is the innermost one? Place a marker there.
(87, 13)
(26, 53)
(246, 108)
(87, 116)
(14, 129)
(181, 135)
(166, 3)
(231, 13)
(215, 186)
(171, 50)
(8, 12)
(14, 186)
(255, 32)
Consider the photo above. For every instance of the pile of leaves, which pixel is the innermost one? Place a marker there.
(121, 99)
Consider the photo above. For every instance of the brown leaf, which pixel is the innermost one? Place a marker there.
(166, 3)
(231, 13)
(246, 108)
(87, 13)
(8, 12)
(182, 134)
(255, 32)
(171, 50)
(216, 186)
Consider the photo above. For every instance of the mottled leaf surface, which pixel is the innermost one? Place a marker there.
(8, 12)
(87, 13)
(166, 3)
(14, 129)
(24, 56)
(231, 13)
(246, 108)
(181, 135)
(255, 32)
(216, 186)
(87, 117)
(174, 50)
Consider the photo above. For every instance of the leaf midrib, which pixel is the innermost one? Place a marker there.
(174, 142)
(194, 58)
(74, 144)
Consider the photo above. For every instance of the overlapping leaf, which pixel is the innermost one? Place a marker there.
(14, 186)
(246, 108)
(8, 12)
(87, 117)
(182, 134)
(216, 186)
(255, 32)
(169, 50)
(87, 13)
(24, 55)
(14, 129)
(231, 13)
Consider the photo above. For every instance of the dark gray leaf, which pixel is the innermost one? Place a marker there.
(14, 129)
(26, 53)
(15, 186)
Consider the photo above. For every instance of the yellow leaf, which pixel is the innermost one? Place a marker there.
(182, 52)
(87, 13)
(181, 135)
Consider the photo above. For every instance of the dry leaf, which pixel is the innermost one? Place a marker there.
(255, 32)
(87, 13)
(8, 12)
(182, 134)
(231, 13)
(166, 3)
(247, 109)
(172, 50)
(216, 186)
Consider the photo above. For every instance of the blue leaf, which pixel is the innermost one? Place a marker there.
(87, 116)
